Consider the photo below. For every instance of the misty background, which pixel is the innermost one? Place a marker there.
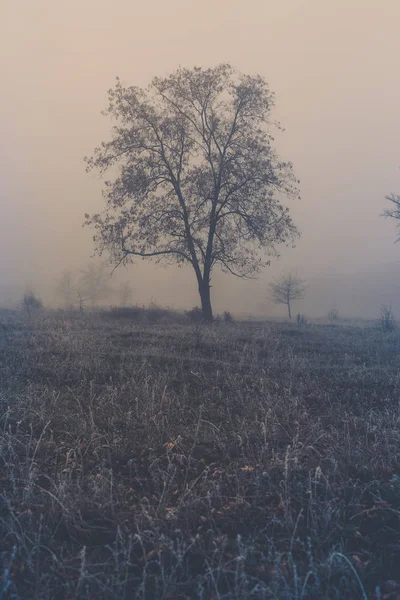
(334, 67)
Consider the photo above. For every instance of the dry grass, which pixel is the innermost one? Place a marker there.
(162, 460)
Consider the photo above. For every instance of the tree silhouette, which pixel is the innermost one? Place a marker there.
(287, 289)
(197, 178)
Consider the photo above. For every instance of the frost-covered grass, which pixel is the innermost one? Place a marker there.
(163, 460)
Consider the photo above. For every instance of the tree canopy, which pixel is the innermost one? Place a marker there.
(196, 177)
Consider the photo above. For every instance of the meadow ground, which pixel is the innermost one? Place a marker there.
(156, 459)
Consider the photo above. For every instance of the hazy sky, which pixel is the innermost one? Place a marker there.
(334, 66)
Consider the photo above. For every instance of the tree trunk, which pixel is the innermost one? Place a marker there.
(289, 310)
(205, 297)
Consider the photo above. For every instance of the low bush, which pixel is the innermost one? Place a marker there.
(227, 317)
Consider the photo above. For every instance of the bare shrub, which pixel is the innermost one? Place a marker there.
(227, 317)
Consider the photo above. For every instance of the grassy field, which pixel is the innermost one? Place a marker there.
(163, 460)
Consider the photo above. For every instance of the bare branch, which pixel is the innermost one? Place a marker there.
(393, 213)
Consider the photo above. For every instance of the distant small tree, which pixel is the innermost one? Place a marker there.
(93, 285)
(124, 293)
(286, 290)
(65, 289)
(388, 321)
(31, 302)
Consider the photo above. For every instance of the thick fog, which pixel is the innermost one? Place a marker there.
(334, 67)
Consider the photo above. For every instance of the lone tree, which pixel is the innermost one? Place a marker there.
(394, 211)
(287, 289)
(197, 178)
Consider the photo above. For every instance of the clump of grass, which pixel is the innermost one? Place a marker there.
(136, 463)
